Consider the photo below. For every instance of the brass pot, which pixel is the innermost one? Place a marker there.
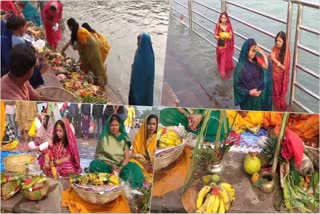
(268, 186)
(215, 168)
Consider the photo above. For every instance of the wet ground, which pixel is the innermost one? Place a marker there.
(121, 21)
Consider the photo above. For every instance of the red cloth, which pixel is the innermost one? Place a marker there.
(48, 17)
(9, 6)
(292, 147)
(224, 55)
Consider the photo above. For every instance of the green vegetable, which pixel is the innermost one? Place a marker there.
(90, 99)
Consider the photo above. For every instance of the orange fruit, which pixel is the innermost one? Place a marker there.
(255, 177)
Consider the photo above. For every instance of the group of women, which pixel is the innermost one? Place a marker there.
(259, 81)
(92, 47)
(114, 152)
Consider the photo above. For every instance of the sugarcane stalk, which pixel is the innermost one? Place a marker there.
(217, 143)
(194, 159)
(280, 138)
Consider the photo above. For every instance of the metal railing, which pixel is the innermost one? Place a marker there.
(287, 23)
(296, 65)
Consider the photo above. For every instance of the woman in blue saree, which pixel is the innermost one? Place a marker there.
(252, 82)
(30, 12)
(142, 76)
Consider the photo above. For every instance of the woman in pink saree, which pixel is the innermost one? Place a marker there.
(225, 45)
(51, 17)
(63, 152)
(280, 57)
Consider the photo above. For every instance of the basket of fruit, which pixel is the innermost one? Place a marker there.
(35, 188)
(10, 185)
(97, 188)
(209, 194)
(170, 147)
(19, 163)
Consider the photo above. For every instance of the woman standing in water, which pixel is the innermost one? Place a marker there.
(88, 49)
(225, 45)
(252, 81)
(142, 76)
(280, 57)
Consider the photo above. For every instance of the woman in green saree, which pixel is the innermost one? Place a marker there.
(112, 154)
(192, 120)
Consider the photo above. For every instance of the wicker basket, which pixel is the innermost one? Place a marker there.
(165, 157)
(37, 194)
(19, 163)
(57, 93)
(9, 189)
(99, 197)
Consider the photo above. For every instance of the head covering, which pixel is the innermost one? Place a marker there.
(142, 145)
(72, 144)
(123, 134)
(143, 71)
(250, 75)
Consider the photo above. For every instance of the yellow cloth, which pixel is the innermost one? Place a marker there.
(306, 126)
(131, 115)
(167, 180)
(3, 120)
(82, 36)
(75, 204)
(25, 114)
(103, 44)
(144, 150)
(253, 119)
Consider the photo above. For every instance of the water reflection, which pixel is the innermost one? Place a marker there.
(121, 21)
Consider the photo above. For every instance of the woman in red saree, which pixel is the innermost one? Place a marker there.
(63, 152)
(280, 57)
(225, 45)
(51, 17)
(10, 7)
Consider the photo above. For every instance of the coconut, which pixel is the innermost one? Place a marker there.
(252, 163)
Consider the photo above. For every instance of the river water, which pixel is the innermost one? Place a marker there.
(121, 21)
(196, 56)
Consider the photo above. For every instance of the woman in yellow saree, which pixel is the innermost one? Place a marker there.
(101, 40)
(144, 146)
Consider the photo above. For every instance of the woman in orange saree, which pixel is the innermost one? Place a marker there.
(280, 57)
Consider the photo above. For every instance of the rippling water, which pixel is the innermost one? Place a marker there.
(121, 21)
(195, 57)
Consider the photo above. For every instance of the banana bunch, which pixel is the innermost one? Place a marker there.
(169, 139)
(215, 198)
(95, 179)
(10, 146)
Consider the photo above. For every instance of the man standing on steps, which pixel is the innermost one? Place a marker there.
(74, 112)
(107, 112)
(85, 120)
(97, 116)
